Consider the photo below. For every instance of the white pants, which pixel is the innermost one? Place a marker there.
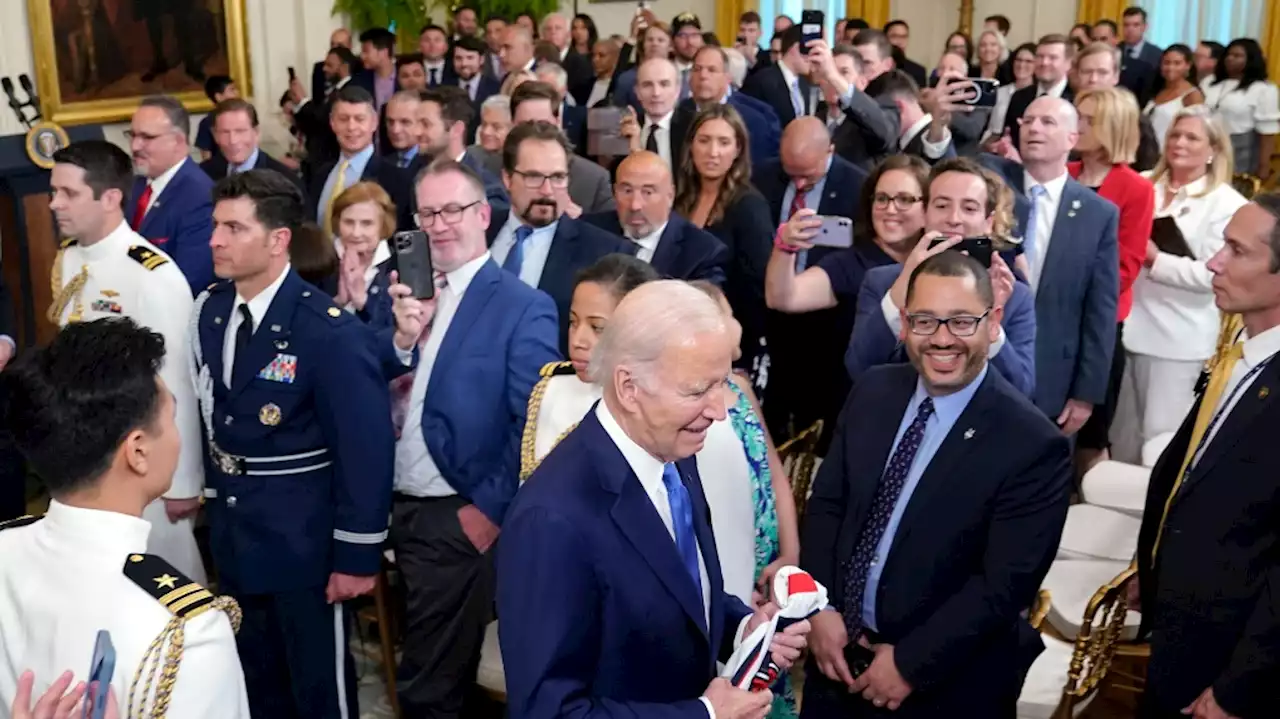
(1155, 396)
(174, 542)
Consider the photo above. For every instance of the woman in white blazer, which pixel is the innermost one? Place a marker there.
(1173, 326)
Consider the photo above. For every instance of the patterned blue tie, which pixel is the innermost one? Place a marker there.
(891, 483)
(682, 522)
(515, 258)
(1029, 232)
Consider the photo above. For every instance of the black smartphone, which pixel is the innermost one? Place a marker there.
(293, 75)
(811, 22)
(742, 40)
(413, 261)
(984, 94)
(101, 668)
(979, 248)
(858, 658)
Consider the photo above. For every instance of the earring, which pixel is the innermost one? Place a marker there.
(1210, 162)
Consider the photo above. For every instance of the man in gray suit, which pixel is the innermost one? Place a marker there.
(589, 187)
(1069, 236)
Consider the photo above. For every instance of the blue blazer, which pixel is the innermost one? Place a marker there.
(180, 221)
(977, 537)
(684, 252)
(472, 420)
(599, 616)
(494, 192)
(873, 344)
(1077, 297)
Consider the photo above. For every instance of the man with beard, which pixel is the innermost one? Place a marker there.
(933, 532)
(534, 239)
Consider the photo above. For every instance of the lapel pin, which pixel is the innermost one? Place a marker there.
(282, 344)
(275, 328)
(306, 293)
(968, 433)
(217, 320)
(1262, 393)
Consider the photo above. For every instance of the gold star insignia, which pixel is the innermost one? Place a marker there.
(166, 581)
(135, 558)
(335, 312)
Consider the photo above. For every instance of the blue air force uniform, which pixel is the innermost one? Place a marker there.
(299, 453)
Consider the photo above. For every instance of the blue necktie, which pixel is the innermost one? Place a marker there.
(1029, 232)
(515, 258)
(682, 522)
(887, 493)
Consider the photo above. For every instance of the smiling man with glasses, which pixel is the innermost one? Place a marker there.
(534, 239)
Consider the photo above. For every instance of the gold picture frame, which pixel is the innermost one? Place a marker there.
(115, 102)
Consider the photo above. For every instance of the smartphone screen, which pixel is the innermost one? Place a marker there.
(811, 22)
(413, 262)
(101, 669)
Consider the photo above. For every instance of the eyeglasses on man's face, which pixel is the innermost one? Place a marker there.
(534, 180)
(451, 214)
(959, 325)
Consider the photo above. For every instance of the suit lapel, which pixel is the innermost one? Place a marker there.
(558, 270)
(1253, 400)
(465, 318)
(1060, 242)
(827, 204)
(271, 328)
(668, 249)
(213, 329)
(868, 472)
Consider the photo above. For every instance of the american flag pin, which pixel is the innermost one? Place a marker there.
(968, 433)
(275, 328)
(1262, 393)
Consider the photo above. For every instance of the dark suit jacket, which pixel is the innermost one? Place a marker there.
(747, 231)
(397, 182)
(573, 120)
(770, 87)
(1151, 54)
(967, 557)
(216, 168)
(503, 333)
(869, 131)
(915, 71)
(312, 120)
(1138, 76)
(916, 147)
(1077, 297)
(681, 123)
(577, 67)
(1018, 105)
(1209, 597)
(684, 251)
(180, 221)
(580, 528)
(576, 246)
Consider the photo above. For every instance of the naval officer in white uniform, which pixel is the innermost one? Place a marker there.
(97, 424)
(105, 269)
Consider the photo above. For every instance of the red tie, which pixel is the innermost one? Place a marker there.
(798, 202)
(140, 210)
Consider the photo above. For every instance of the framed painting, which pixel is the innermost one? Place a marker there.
(95, 59)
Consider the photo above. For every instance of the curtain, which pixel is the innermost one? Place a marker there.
(1270, 39)
(1091, 11)
(875, 12)
(1190, 21)
(727, 14)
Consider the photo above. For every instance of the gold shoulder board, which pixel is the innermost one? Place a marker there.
(147, 257)
(555, 369)
(181, 596)
(19, 522)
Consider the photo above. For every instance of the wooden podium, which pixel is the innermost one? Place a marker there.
(29, 236)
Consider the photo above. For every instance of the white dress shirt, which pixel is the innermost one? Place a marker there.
(1054, 90)
(662, 135)
(1256, 351)
(258, 307)
(649, 243)
(598, 91)
(1254, 110)
(1046, 209)
(470, 86)
(416, 472)
(437, 66)
(161, 182)
(932, 150)
(536, 248)
(1174, 315)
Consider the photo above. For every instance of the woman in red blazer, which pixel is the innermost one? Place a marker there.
(1107, 144)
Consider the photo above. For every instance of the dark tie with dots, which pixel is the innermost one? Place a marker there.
(891, 484)
(244, 333)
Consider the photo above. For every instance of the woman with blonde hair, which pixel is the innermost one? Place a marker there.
(1173, 327)
(1108, 143)
(364, 217)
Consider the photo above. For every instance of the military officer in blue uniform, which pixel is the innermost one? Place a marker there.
(299, 449)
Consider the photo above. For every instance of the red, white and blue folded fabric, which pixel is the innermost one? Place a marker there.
(798, 597)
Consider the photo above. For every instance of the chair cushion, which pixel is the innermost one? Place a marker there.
(1155, 447)
(1042, 690)
(1099, 533)
(491, 675)
(1072, 583)
(1116, 485)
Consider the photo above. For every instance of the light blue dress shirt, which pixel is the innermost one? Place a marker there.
(946, 410)
(248, 164)
(355, 170)
(812, 199)
(405, 157)
(536, 248)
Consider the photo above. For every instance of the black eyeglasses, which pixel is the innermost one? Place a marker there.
(534, 180)
(901, 200)
(959, 326)
(452, 215)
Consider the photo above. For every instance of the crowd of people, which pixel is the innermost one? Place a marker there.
(972, 282)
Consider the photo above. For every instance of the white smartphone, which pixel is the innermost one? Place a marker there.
(834, 232)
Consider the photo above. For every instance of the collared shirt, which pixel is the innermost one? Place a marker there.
(355, 170)
(437, 67)
(946, 410)
(1256, 351)
(417, 473)
(812, 198)
(258, 307)
(381, 253)
(471, 86)
(536, 248)
(932, 150)
(599, 91)
(1254, 109)
(662, 134)
(383, 88)
(1046, 209)
(158, 184)
(1135, 51)
(245, 166)
(1054, 90)
(405, 157)
(564, 52)
(649, 243)
(796, 92)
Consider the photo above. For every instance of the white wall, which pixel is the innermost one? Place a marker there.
(299, 34)
(933, 20)
(615, 17)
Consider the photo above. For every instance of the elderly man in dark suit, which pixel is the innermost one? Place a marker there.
(645, 192)
(785, 86)
(235, 130)
(934, 518)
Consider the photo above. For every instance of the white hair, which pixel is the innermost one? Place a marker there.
(497, 102)
(654, 316)
(1004, 44)
(559, 78)
(549, 17)
(737, 66)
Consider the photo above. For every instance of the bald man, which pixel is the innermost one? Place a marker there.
(659, 127)
(644, 193)
(516, 50)
(807, 380)
(1069, 236)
